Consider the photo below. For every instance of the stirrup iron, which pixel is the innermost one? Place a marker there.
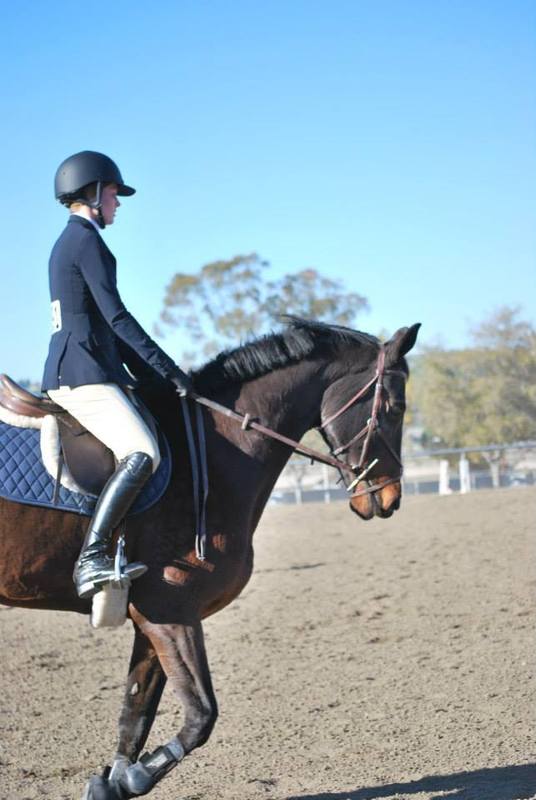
(124, 573)
(120, 575)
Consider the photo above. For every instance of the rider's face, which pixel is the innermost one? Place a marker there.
(109, 203)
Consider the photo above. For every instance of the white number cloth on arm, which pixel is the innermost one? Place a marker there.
(56, 316)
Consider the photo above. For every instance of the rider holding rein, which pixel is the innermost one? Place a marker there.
(93, 337)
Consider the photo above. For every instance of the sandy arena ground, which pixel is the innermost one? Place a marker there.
(388, 659)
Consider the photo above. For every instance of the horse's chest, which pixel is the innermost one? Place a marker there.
(214, 582)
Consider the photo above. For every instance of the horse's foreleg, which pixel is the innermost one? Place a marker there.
(145, 684)
(181, 653)
(184, 660)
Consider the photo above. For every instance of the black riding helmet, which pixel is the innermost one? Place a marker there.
(83, 169)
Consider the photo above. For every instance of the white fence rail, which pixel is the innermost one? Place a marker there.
(438, 471)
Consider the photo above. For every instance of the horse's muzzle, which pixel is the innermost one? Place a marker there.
(380, 503)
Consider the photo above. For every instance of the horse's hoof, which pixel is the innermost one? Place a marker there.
(99, 788)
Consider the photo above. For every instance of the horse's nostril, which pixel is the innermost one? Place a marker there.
(388, 498)
(362, 506)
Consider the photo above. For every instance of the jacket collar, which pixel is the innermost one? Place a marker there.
(82, 221)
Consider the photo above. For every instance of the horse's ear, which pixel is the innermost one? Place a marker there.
(401, 343)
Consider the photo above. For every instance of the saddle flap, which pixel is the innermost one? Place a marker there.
(90, 462)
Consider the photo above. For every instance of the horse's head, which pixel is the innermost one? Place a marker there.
(362, 414)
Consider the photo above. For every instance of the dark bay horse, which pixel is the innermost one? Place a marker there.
(309, 375)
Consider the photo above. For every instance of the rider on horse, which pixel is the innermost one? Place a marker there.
(93, 337)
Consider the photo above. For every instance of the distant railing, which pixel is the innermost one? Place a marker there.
(442, 471)
(507, 465)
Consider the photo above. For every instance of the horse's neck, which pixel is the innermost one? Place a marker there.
(286, 400)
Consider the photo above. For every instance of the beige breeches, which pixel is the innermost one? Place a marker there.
(109, 415)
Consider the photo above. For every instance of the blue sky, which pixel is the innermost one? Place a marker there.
(387, 144)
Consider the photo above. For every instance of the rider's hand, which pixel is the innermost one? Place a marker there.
(182, 383)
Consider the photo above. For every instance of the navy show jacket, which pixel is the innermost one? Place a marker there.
(94, 334)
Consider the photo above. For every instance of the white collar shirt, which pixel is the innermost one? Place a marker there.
(76, 214)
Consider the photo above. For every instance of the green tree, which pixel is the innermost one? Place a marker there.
(485, 394)
(226, 302)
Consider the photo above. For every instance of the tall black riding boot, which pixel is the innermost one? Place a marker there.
(95, 567)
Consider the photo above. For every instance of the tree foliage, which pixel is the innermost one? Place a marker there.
(485, 394)
(226, 302)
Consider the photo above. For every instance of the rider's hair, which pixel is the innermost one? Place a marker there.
(89, 192)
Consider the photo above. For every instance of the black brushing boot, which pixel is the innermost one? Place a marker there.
(95, 567)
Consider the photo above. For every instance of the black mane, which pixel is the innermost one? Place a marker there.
(299, 340)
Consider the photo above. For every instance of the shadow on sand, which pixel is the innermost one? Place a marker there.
(498, 783)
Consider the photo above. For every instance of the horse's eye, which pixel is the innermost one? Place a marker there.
(395, 408)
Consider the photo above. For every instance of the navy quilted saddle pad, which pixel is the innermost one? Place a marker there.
(23, 477)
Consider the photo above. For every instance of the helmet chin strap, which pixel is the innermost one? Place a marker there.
(96, 204)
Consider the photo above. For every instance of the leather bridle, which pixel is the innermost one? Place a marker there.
(372, 428)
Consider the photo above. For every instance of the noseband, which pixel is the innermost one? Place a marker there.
(372, 428)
